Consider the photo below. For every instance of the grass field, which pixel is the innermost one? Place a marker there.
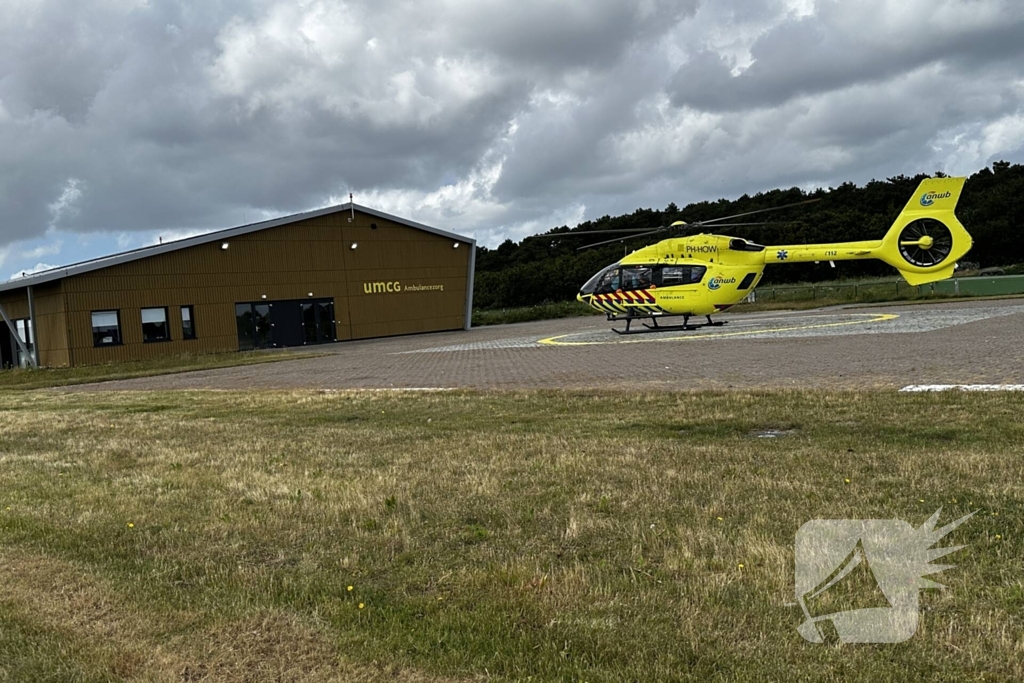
(452, 536)
(20, 379)
(524, 314)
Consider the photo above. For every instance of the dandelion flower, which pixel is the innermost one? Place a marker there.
(847, 481)
(920, 500)
(741, 565)
(130, 525)
(361, 605)
(998, 536)
(350, 589)
(718, 518)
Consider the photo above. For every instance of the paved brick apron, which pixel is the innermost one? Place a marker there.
(945, 343)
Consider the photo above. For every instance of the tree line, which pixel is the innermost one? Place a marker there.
(549, 268)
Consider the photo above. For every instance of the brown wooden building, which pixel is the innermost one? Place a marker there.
(345, 272)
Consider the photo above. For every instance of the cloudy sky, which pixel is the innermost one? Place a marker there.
(122, 121)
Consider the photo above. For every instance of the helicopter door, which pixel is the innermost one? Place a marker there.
(680, 288)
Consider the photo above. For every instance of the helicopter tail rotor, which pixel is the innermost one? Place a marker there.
(926, 239)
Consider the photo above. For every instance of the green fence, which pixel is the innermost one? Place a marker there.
(981, 286)
(893, 289)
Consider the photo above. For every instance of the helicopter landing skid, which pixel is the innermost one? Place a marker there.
(655, 327)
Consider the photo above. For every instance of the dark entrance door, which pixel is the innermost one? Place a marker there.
(261, 325)
(287, 322)
(6, 346)
(243, 320)
(298, 322)
(318, 321)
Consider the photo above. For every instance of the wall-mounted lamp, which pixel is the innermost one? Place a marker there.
(224, 246)
(310, 294)
(354, 245)
(263, 296)
(455, 246)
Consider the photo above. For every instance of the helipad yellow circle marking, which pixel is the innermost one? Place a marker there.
(873, 318)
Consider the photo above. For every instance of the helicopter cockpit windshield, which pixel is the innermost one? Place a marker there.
(607, 280)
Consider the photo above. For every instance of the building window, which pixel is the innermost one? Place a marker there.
(188, 322)
(154, 325)
(27, 337)
(24, 327)
(106, 328)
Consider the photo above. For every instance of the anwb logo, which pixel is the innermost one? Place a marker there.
(859, 580)
(928, 198)
(716, 282)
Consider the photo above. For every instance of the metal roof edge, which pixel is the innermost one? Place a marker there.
(409, 223)
(154, 250)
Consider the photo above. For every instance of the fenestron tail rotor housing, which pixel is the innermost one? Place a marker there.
(925, 242)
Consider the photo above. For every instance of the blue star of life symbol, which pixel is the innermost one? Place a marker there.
(782, 254)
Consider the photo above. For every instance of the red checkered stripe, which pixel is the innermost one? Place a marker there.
(623, 302)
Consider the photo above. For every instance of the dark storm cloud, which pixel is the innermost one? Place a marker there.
(83, 89)
(556, 36)
(493, 117)
(563, 144)
(128, 117)
(845, 43)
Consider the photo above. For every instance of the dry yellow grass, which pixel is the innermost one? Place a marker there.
(563, 536)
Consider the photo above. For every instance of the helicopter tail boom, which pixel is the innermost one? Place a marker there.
(923, 244)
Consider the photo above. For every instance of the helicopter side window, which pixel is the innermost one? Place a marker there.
(637, 277)
(669, 276)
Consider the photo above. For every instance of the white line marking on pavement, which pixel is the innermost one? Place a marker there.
(962, 387)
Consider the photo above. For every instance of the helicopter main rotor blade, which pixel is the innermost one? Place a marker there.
(630, 233)
(624, 231)
(665, 227)
(751, 213)
(735, 225)
(620, 239)
(669, 227)
(587, 233)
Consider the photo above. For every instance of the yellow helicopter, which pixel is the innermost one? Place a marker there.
(705, 274)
